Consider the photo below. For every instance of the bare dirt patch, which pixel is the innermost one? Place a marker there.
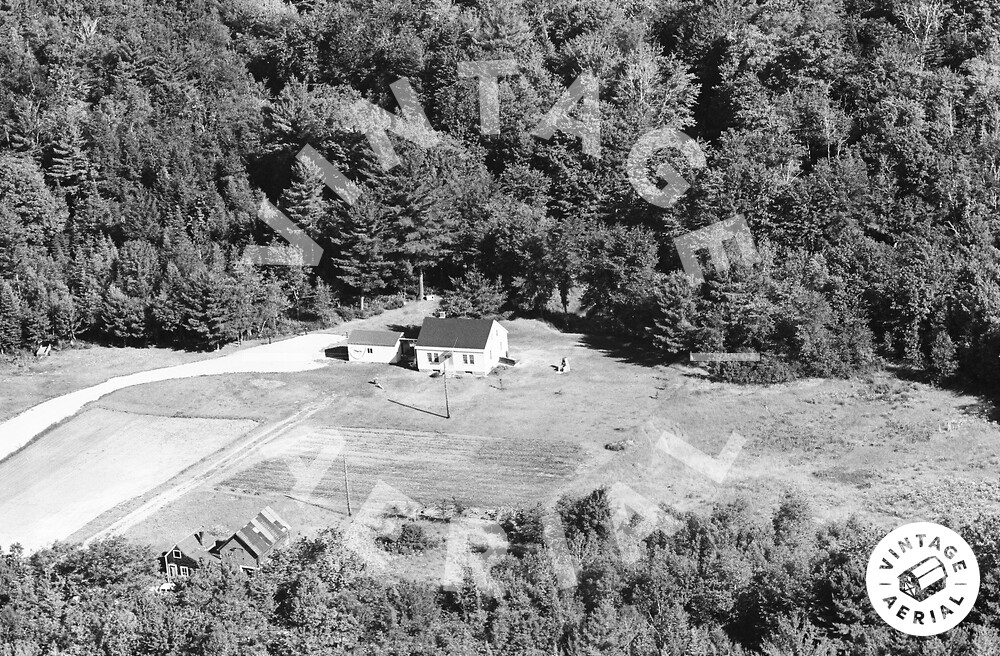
(91, 463)
(32, 381)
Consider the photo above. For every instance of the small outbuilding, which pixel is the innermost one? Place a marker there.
(381, 346)
(471, 345)
(193, 552)
(250, 546)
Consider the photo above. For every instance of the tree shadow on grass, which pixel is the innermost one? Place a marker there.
(411, 331)
(630, 351)
(987, 406)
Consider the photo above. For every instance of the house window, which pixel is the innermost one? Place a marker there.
(176, 553)
(472, 359)
(437, 357)
(370, 350)
(468, 359)
(185, 571)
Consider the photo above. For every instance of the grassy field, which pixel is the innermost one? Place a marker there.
(86, 466)
(479, 471)
(29, 381)
(879, 447)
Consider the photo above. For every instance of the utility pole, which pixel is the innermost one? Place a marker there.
(444, 374)
(447, 355)
(347, 486)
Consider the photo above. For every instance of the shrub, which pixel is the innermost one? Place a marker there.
(588, 516)
(394, 302)
(943, 360)
(412, 539)
(475, 296)
(524, 529)
(347, 313)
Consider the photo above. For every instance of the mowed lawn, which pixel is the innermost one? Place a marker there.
(88, 465)
(33, 381)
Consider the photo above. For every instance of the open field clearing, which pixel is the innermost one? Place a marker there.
(879, 447)
(848, 446)
(294, 354)
(35, 381)
(127, 514)
(88, 465)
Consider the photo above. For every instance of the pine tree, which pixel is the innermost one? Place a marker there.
(22, 188)
(797, 636)
(419, 207)
(363, 260)
(63, 316)
(323, 303)
(207, 302)
(10, 319)
(12, 244)
(474, 296)
(272, 303)
(303, 200)
(620, 274)
(246, 288)
(68, 165)
(673, 330)
(605, 633)
(123, 317)
(137, 269)
(36, 323)
(24, 124)
(503, 28)
(168, 310)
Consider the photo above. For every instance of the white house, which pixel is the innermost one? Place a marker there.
(475, 345)
(374, 346)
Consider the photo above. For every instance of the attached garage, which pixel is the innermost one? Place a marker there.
(382, 346)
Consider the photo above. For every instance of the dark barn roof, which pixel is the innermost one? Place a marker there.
(263, 533)
(373, 338)
(455, 333)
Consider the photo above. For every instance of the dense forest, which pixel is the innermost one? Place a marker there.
(725, 584)
(858, 139)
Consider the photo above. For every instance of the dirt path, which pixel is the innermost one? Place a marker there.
(235, 454)
(296, 354)
(290, 355)
(82, 470)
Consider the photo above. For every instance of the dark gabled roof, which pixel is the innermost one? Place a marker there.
(197, 546)
(263, 533)
(373, 338)
(455, 333)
